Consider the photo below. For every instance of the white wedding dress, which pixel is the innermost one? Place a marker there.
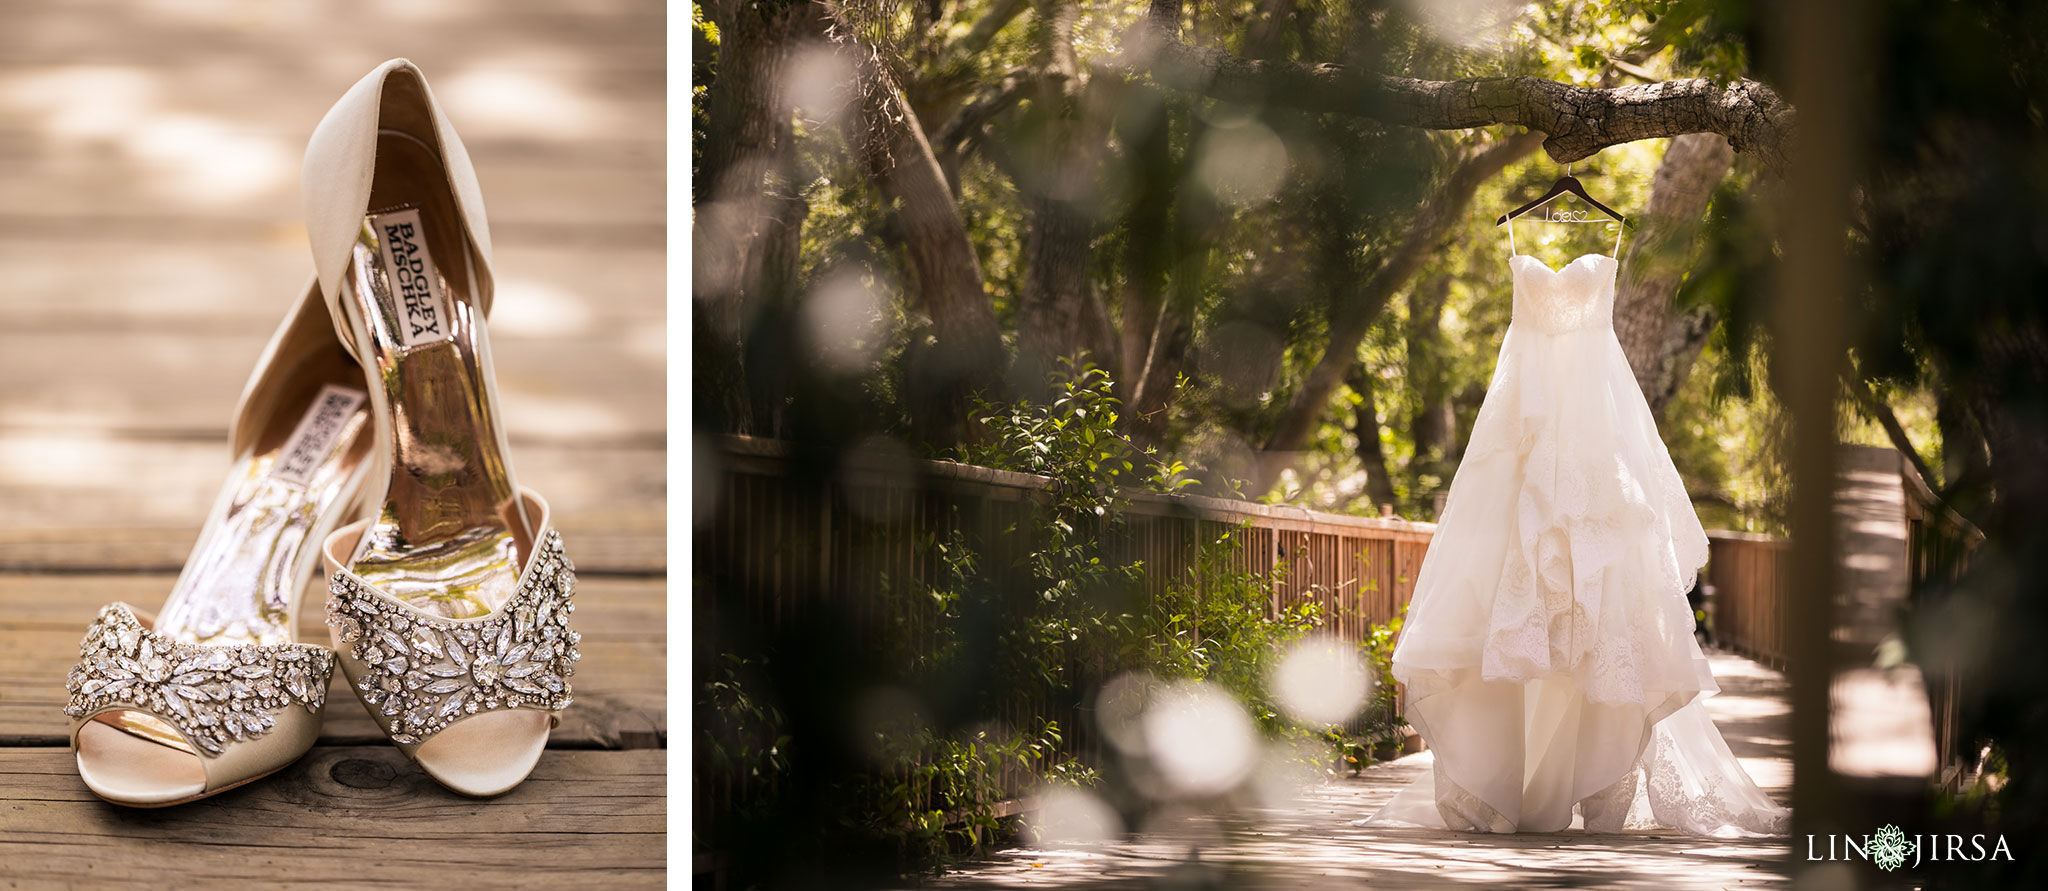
(1548, 650)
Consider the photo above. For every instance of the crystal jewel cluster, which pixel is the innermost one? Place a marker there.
(419, 673)
(216, 695)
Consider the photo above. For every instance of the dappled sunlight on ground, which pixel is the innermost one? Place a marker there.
(1311, 841)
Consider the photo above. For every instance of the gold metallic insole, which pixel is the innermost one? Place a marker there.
(448, 537)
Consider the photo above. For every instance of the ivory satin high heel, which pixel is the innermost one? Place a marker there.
(215, 690)
(450, 604)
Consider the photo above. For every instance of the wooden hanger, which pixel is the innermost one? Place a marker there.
(1565, 184)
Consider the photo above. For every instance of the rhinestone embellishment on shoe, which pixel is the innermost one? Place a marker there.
(421, 673)
(216, 695)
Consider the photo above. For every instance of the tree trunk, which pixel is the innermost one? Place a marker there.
(1434, 426)
(1365, 424)
(968, 356)
(1158, 324)
(748, 216)
(1157, 331)
(1193, 235)
(1356, 313)
(1660, 343)
(1965, 463)
(1059, 314)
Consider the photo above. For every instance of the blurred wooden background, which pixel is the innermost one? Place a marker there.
(150, 240)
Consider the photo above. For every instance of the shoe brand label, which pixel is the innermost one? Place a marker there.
(320, 430)
(415, 286)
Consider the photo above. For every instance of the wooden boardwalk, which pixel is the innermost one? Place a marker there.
(1313, 843)
(150, 241)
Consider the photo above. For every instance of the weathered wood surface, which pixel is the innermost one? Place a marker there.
(109, 499)
(342, 817)
(151, 240)
(543, 381)
(1313, 843)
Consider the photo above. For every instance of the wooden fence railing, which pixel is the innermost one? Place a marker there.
(1940, 544)
(786, 528)
(1747, 573)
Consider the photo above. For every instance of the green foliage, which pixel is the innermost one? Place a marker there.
(1382, 721)
(704, 30)
(935, 796)
(738, 735)
(1224, 626)
(1073, 438)
(704, 27)
(1982, 796)
(938, 598)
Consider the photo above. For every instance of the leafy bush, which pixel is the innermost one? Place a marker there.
(1225, 627)
(936, 796)
(1381, 723)
(739, 736)
(1068, 613)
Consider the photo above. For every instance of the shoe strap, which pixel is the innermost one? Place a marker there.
(215, 695)
(419, 673)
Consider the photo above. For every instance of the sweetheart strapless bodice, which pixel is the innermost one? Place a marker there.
(1556, 301)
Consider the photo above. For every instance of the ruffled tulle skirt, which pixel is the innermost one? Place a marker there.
(1548, 652)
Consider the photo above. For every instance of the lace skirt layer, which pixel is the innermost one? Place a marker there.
(1685, 780)
(1549, 631)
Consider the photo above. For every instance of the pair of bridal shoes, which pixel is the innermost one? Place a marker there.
(367, 448)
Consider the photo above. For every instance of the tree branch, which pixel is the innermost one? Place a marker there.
(1659, 342)
(1893, 430)
(968, 121)
(984, 31)
(1365, 424)
(969, 354)
(1578, 121)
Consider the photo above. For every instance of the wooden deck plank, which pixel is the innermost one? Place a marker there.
(596, 386)
(1872, 540)
(561, 196)
(85, 502)
(343, 817)
(244, 287)
(585, 34)
(620, 684)
(607, 105)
